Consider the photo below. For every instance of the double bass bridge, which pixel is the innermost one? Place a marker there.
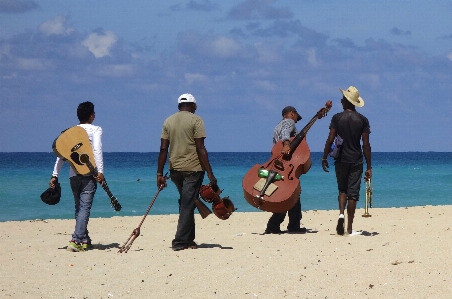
(278, 165)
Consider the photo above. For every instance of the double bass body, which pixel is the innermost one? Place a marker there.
(288, 190)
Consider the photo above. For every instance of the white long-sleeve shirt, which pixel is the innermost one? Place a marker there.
(95, 139)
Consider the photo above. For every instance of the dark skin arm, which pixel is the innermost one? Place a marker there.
(367, 154)
(204, 160)
(163, 154)
(202, 156)
(326, 149)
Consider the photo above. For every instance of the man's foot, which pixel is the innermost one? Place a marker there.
(74, 247)
(354, 233)
(87, 245)
(340, 225)
(300, 230)
(273, 231)
(191, 245)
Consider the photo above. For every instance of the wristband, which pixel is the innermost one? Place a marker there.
(159, 174)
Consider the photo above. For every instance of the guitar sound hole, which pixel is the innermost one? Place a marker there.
(84, 158)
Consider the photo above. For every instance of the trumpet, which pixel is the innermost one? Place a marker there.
(368, 203)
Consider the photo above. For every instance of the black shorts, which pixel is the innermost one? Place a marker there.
(348, 178)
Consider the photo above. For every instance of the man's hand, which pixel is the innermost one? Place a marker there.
(161, 180)
(212, 179)
(368, 175)
(52, 182)
(286, 148)
(325, 165)
(100, 178)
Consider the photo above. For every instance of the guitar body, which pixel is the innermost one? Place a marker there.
(70, 145)
(73, 146)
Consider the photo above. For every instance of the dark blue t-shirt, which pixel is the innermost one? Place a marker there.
(350, 125)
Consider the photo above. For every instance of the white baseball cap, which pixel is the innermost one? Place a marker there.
(186, 98)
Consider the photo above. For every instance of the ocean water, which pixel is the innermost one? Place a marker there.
(399, 180)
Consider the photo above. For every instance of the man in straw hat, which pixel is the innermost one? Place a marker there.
(353, 128)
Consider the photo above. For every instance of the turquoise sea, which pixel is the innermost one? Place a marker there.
(399, 180)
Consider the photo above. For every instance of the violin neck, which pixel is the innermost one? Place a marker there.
(300, 136)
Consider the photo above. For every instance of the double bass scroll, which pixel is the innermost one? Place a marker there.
(275, 186)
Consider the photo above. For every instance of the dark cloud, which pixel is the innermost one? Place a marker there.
(17, 6)
(259, 9)
(397, 31)
(284, 29)
(203, 5)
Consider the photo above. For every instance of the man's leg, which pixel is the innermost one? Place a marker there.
(295, 218)
(88, 187)
(342, 199)
(188, 184)
(342, 171)
(351, 207)
(354, 185)
(274, 223)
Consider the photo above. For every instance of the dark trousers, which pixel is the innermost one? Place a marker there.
(188, 184)
(294, 218)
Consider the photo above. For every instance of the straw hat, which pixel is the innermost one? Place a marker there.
(352, 95)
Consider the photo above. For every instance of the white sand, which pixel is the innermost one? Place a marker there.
(402, 253)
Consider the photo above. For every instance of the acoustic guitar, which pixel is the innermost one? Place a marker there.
(74, 147)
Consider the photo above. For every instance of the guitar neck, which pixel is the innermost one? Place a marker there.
(95, 173)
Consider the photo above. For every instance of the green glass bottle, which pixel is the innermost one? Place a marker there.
(263, 173)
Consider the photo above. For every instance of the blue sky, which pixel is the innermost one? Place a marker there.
(242, 60)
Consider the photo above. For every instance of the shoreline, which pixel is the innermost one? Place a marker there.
(197, 214)
(403, 253)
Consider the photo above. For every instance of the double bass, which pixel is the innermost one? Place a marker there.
(275, 186)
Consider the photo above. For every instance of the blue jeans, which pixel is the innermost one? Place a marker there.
(188, 184)
(83, 189)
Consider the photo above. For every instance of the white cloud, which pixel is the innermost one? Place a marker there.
(30, 64)
(224, 47)
(116, 70)
(100, 45)
(266, 85)
(312, 57)
(55, 26)
(190, 78)
(449, 55)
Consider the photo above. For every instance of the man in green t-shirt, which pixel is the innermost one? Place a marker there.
(183, 133)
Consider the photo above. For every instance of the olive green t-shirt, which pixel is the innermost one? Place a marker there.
(181, 129)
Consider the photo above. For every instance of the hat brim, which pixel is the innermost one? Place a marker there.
(358, 103)
(52, 195)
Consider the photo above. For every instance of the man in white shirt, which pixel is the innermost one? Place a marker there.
(83, 187)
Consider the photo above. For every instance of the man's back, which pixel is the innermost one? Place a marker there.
(350, 125)
(181, 129)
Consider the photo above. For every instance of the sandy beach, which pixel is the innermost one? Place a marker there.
(401, 253)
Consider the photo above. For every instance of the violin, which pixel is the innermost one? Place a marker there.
(275, 186)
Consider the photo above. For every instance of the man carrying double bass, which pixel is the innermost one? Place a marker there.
(284, 130)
